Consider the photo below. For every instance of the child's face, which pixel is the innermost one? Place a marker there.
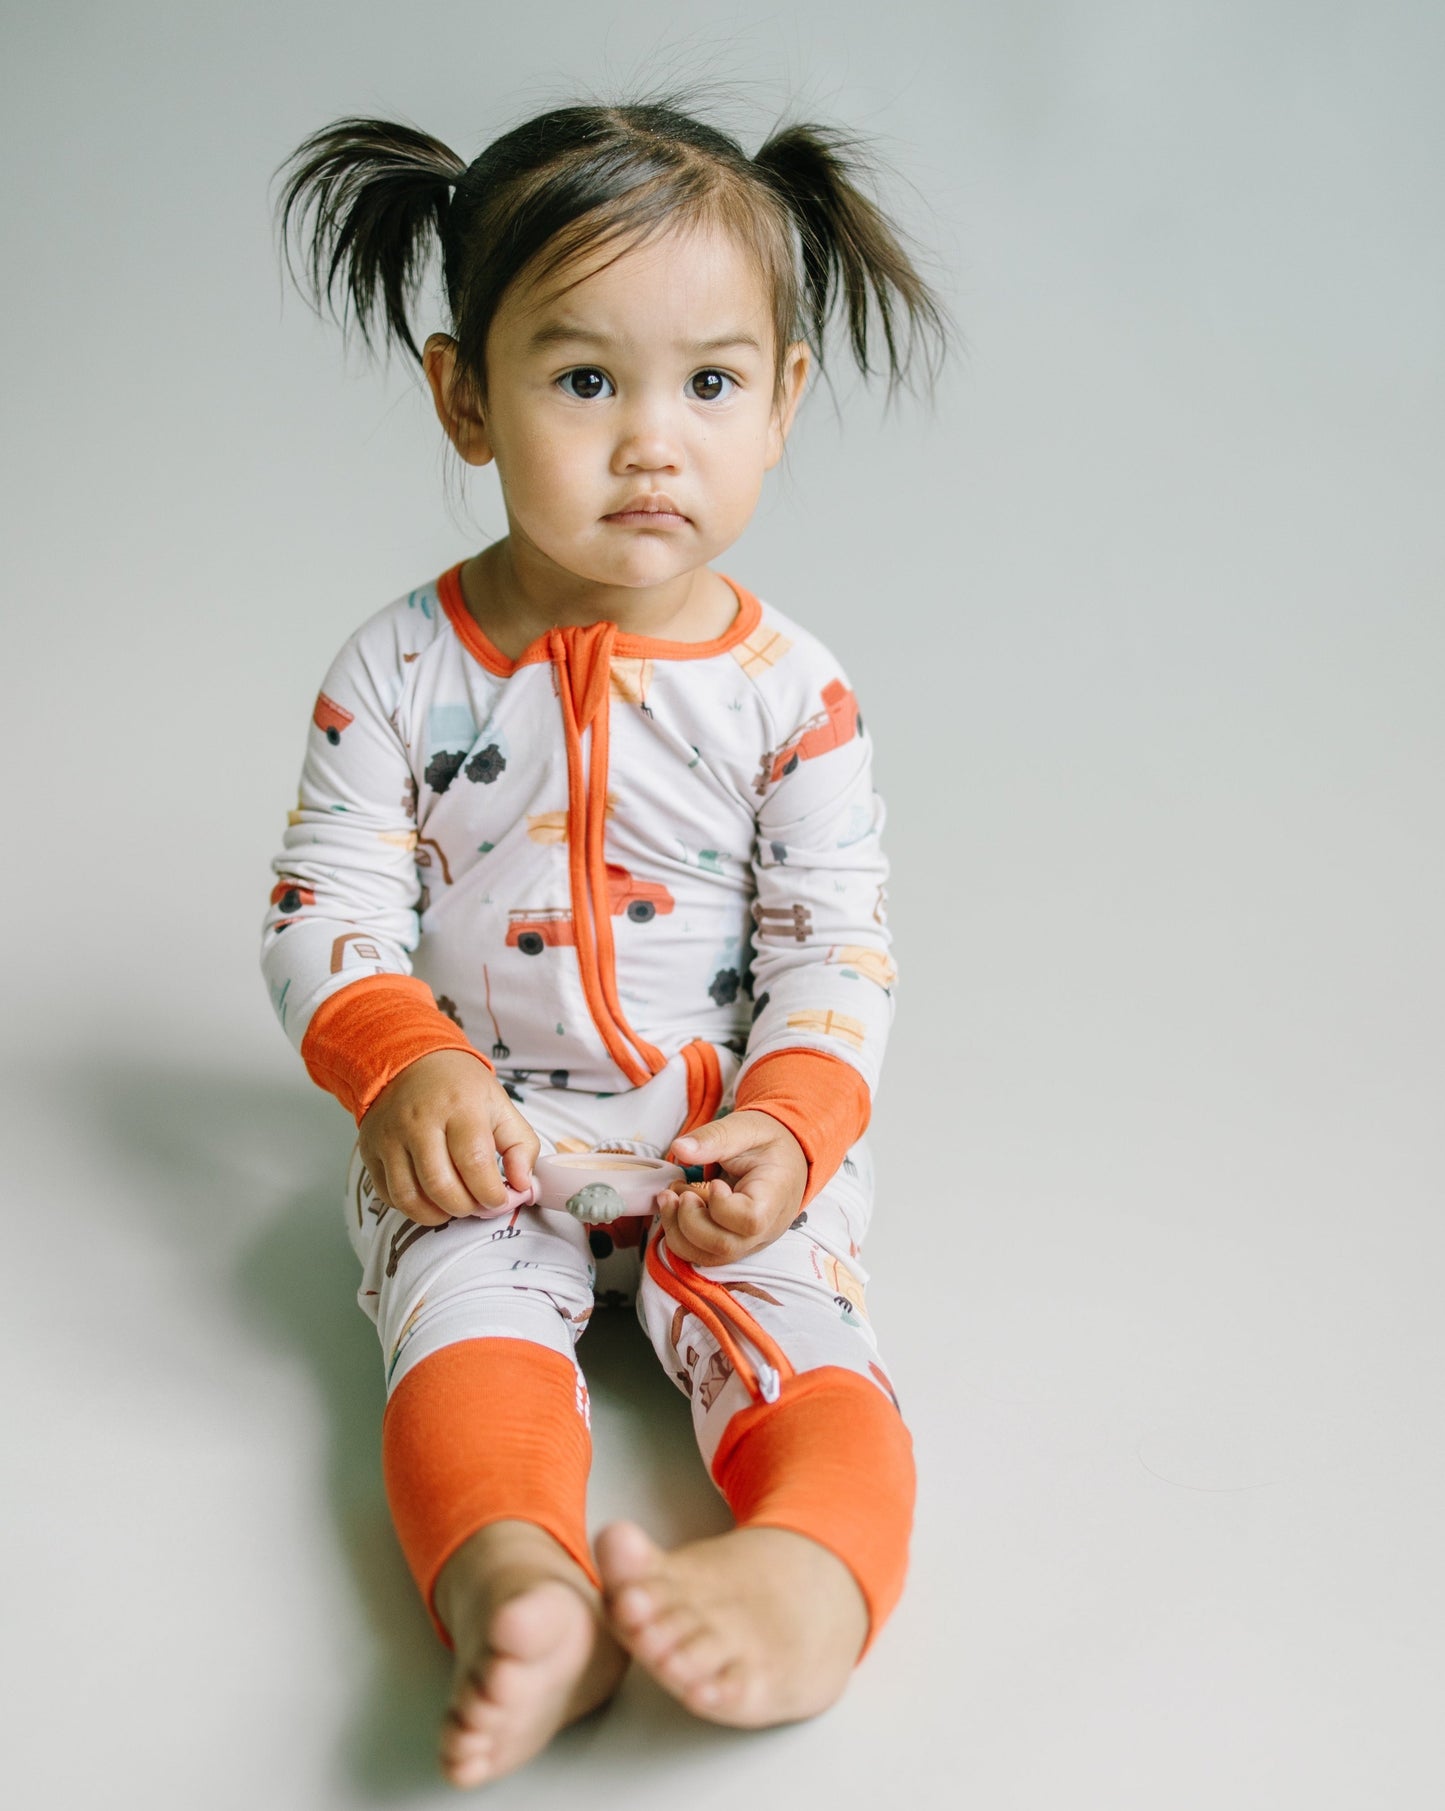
(650, 382)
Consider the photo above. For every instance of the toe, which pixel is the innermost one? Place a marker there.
(469, 1710)
(635, 1607)
(717, 1694)
(652, 1642)
(466, 1755)
(695, 1660)
(626, 1555)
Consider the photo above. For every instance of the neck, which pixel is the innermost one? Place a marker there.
(517, 596)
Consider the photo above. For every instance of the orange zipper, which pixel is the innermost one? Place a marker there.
(729, 1324)
(582, 659)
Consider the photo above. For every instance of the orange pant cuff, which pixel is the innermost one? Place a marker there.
(830, 1459)
(486, 1430)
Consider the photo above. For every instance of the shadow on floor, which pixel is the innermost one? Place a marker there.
(245, 1173)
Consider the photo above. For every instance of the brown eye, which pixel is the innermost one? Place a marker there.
(585, 382)
(710, 386)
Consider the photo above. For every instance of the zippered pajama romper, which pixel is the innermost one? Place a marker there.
(642, 881)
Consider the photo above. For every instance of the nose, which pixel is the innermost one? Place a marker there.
(650, 439)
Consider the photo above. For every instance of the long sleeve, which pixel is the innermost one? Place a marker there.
(822, 974)
(343, 917)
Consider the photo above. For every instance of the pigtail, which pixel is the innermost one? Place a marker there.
(378, 191)
(850, 254)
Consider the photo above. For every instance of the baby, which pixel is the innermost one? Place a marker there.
(586, 859)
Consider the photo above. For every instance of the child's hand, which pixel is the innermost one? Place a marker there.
(718, 1223)
(430, 1140)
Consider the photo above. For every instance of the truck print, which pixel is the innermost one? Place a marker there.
(838, 722)
(532, 929)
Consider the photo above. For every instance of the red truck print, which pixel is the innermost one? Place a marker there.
(532, 930)
(838, 722)
(330, 718)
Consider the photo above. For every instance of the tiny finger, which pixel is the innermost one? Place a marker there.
(437, 1177)
(405, 1193)
(519, 1147)
(700, 1230)
(476, 1163)
(676, 1239)
(738, 1212)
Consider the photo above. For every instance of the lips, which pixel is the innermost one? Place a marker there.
(655, 503)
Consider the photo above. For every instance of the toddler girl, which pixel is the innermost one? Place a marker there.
(586, 858)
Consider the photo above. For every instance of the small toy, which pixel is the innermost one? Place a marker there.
(596, 1187)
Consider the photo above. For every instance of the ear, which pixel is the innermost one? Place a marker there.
(796, 361)
(456, 409)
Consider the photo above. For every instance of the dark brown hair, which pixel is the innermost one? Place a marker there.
(578, 179)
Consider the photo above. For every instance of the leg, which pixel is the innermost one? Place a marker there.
(486, 1449)
(765, 1624)
(486, 1452)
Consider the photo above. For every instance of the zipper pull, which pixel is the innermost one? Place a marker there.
(769, 1383)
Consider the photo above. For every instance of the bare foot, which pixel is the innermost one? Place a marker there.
(533, 1649)
(751, 1628)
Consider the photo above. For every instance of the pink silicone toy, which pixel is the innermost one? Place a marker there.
(598, 1186)
(595, 1186)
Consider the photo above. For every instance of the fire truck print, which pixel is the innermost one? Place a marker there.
(532, 929)
(838, 722)
(330, 718)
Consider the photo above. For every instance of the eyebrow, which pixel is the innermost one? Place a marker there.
(565, 333)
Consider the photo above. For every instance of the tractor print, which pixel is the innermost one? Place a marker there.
(330, 718)
(838, 722)
(533, 929)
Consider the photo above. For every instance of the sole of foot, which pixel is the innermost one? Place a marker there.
(751, 1628)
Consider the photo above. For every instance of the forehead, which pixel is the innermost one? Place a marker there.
(690, 286)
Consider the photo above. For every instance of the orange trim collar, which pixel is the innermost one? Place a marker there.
(626, 647)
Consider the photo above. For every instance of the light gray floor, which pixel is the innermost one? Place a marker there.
(1146, 620)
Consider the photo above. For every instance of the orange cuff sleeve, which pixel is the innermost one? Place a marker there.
(486, 1430)
(368, 1032)
(830, 1459)
(823, 1101)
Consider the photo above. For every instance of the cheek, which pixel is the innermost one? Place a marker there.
(547, 471)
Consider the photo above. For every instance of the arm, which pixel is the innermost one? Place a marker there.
(822, 982)
(336, 948)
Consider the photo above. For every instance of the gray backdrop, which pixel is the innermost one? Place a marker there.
(1145, 617)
